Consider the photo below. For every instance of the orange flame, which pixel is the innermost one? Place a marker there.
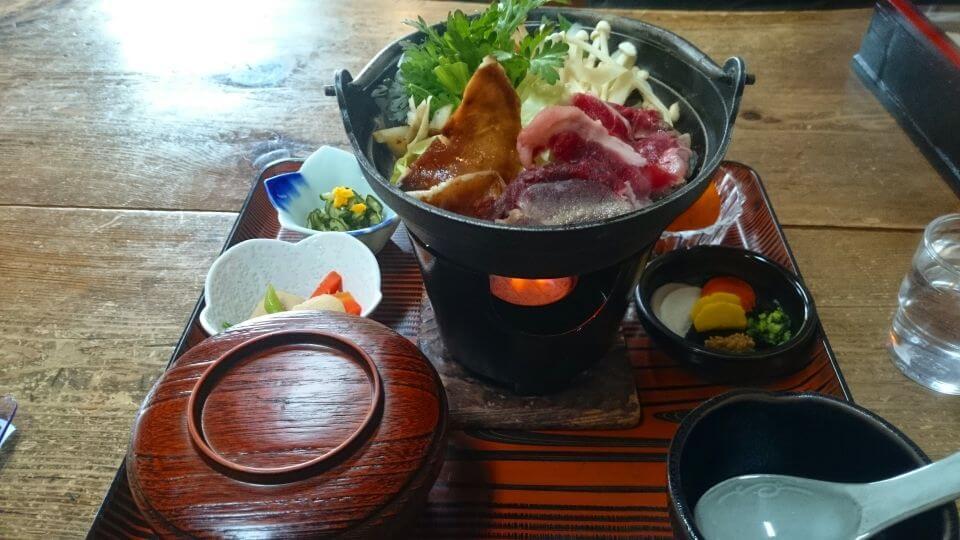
(531, 292)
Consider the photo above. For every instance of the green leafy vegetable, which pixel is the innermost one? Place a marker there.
(771, 327)
(226, 325)
(391, 97)
(537, 55)
(442, 64)
(271, 302)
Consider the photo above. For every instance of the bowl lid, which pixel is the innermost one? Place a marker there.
(296, 424)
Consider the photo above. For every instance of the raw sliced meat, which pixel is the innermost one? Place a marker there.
(669, 159)
(564, 202)
(643, 122)
(604, 159)
(626, 123)
(611, 118)
(561, 118)
(667, 154)
(587, 160)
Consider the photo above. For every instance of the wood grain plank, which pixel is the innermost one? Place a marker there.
(854, 277)
(95, 117)
(91, 305)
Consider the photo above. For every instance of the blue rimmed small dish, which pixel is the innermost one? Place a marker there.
(296, 194)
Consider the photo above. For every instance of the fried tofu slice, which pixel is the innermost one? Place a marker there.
(471, 194)
(481, 135)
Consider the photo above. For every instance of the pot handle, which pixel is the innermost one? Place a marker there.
(734, 78)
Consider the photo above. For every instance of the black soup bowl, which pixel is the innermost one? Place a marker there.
(708, 96)
(809, 435)
(770, 280)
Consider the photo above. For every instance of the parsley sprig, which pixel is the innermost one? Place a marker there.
(442, 64)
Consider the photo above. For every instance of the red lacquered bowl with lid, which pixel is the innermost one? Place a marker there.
(293, 425)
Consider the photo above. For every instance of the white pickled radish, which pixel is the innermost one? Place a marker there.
(675, 309)
(658, 295)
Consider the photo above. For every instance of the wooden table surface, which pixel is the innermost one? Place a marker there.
(130, 134)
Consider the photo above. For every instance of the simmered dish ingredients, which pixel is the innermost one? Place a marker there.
(327, 296)
(530, 128)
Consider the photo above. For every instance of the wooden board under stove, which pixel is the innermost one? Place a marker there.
(540, 484)
(602, 397)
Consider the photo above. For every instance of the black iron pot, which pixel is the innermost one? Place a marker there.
(708, 95)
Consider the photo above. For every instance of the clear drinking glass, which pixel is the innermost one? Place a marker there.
(925, 337)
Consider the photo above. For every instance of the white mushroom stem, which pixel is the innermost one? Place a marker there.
(581, 36)
(625, 55)
(580, 41)
(649, 98)
(601, 37)
(621, 88)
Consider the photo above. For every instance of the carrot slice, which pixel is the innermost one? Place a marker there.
(331, 284)
(732, 285)
(349, 304)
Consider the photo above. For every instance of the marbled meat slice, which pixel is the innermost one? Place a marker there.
(539, 133)
(566, 201)
(574, 158)
(626, 123)
(666, 151)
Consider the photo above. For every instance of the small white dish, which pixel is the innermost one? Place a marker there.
(295, 195)
(238, 279)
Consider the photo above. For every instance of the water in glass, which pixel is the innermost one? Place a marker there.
(925, 337)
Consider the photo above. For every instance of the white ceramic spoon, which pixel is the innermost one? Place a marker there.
(764, 506)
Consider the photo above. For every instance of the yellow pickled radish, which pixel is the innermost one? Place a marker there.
(712, 299)
(720, 316)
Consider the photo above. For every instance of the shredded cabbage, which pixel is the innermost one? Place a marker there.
(536, 95)
(402, 165)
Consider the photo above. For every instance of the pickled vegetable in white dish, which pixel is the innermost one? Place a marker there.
(238, 280)
(327, 296)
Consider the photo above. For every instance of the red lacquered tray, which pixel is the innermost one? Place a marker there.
(543, 484)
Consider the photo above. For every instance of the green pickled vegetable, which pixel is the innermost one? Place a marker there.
(374, 204)
(337, 224)
(770, 327)
(271, 302)
(344, 210)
